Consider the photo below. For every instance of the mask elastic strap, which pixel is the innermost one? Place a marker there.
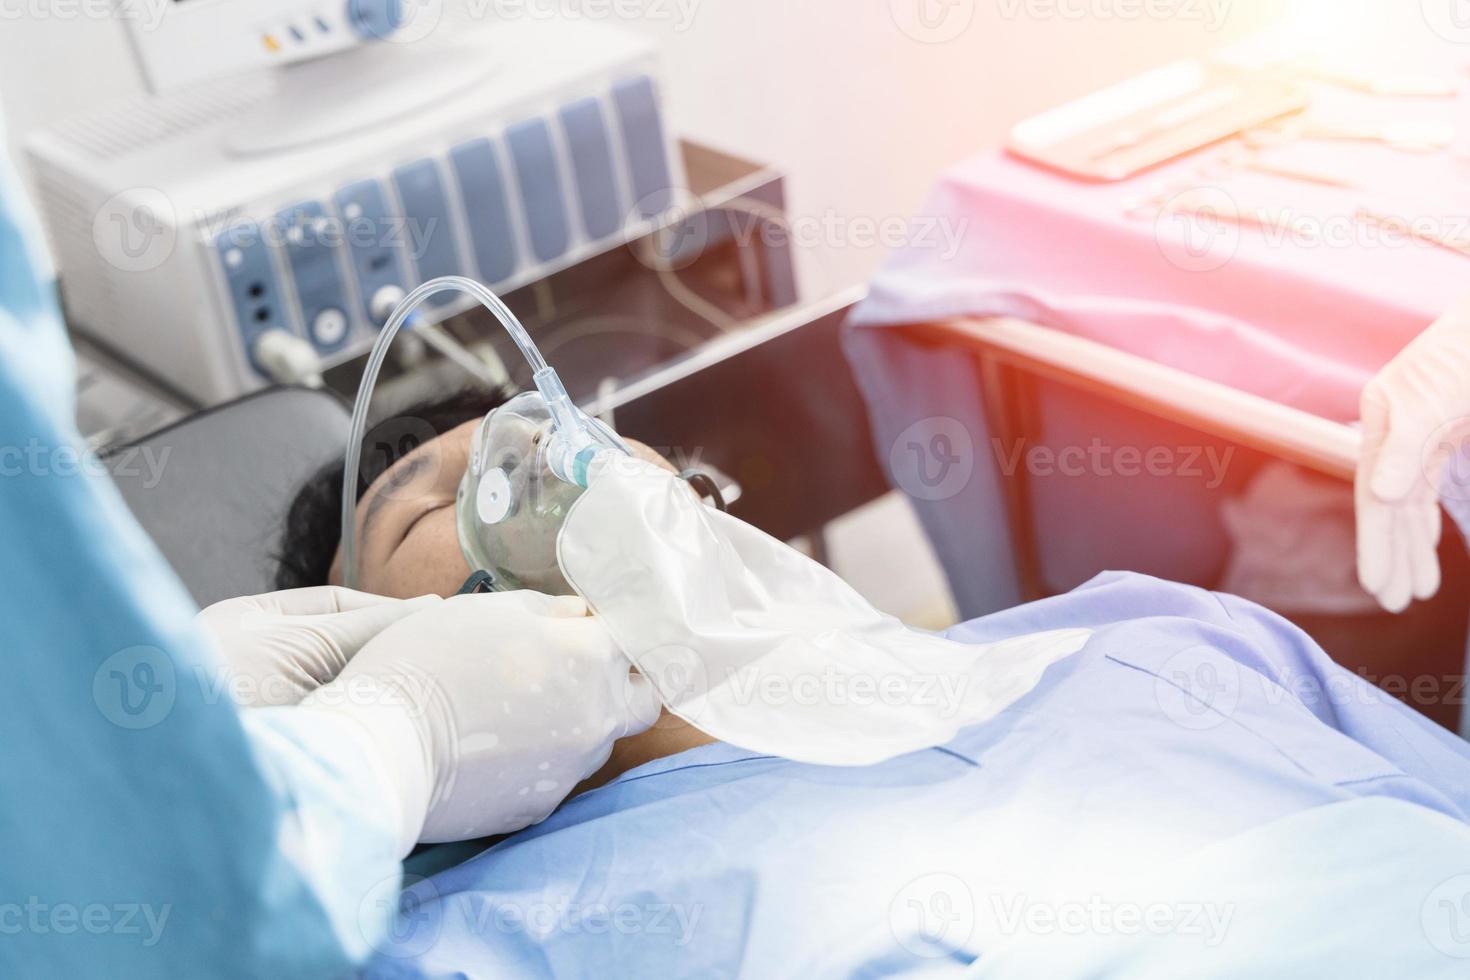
(706, 487)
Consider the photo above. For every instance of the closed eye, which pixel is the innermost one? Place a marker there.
(436, 508)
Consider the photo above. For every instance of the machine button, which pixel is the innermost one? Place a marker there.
(374, 240)
(329, 327)
(250, 278)
(314, 256)
(375, 19)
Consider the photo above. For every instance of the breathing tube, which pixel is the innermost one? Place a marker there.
(576, 439)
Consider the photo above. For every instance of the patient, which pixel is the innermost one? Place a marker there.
(1201, 768)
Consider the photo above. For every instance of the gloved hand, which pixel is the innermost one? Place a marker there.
(1416, 415)
(277, 648)
(487, 710)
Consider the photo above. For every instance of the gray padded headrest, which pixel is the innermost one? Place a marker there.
(213, 490)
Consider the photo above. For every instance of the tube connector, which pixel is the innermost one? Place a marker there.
(570, 438)
(576, 439)
(288, 359)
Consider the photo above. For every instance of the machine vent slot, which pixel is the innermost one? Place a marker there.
(146, 121)
(86, 280)
(637, 104)
(534, 159)
(482, 185)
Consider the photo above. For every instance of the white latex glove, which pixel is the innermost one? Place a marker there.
(487, 710)
(277, 648)
(1415, 416)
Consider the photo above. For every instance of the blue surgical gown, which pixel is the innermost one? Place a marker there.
(147, 831)
(1188, 722)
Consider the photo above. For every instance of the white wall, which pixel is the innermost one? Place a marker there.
(861, 113)
(862, 116)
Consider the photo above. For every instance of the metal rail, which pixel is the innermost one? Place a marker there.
(1309, 440)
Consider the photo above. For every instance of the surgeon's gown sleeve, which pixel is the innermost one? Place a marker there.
(148, 829)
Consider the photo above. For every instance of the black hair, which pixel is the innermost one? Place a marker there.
(313, 526)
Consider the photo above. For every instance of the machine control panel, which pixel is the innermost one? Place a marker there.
(505, 208)
(250, 279)
(309, 237)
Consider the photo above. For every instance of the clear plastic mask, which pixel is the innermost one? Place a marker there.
(510, 506)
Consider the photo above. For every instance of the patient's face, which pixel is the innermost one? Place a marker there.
(408, 544)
